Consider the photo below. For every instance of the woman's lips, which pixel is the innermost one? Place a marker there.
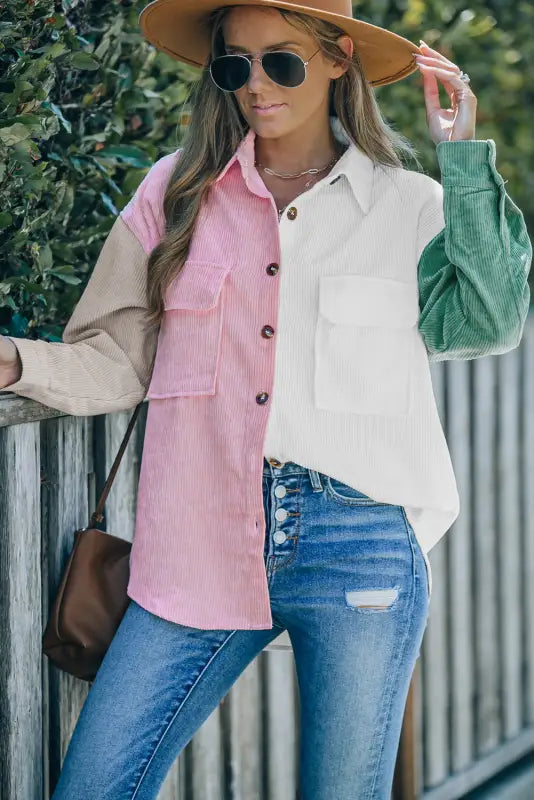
(263, 112)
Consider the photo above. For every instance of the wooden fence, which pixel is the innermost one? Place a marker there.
(470, 711)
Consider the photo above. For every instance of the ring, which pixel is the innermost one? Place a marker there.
(464, 77)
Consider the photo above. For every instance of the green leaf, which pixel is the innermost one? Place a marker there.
(127, 154)
(108, 202)
(26, 151)
(19, 325)
(59, 114)
(43, 253)
(62, 270)
(14, 134)
(33, 287)
(57, 49)
(72, 279)
(52, 50)
(84, 61)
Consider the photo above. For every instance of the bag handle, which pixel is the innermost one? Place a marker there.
(97, 515)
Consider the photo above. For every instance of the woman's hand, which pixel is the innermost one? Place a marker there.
(10, 364)
(457, 122)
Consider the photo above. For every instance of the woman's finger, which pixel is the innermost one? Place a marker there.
(451, 81)
(447, 74)
(436, 62)
(428, 50)
(432, 101)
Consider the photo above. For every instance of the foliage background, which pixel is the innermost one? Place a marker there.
(87, 105)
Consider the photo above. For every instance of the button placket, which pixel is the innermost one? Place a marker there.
(281, 514)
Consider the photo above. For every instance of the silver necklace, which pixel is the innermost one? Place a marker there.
(312, 171)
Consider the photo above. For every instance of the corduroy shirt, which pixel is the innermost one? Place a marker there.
(306, 338)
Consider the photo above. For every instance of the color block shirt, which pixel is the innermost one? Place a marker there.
(305, 338)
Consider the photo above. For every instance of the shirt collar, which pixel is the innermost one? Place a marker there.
(356, 165)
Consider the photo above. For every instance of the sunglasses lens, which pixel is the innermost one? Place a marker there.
(230, 72)
(286, 69)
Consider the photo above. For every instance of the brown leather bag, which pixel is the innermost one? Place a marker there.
(91, 599)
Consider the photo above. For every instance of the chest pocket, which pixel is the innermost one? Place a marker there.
(364, 344)
(189, 339)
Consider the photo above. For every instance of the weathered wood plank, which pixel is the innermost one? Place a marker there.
(457, 786)
(173, 787)
(527, 479)
(486, 641)
(16, 410)
(509, 544)
(21, 756)
(66, 443)
(459, 570)
(206, 760)
(244, 713)
(281, 724)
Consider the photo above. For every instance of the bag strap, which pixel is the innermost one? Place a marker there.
(97, 515)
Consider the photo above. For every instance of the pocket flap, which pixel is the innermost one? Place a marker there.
(197, 286)
(369, 302)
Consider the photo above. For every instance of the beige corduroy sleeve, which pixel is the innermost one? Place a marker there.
(105, 360)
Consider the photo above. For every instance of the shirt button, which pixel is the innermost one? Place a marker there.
(280, 514)
(262, 398)
(280, 491)
(267, 332)
(291, 212)
(272, 269)
(279, 537)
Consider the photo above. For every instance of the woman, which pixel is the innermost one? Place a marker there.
(292, 230)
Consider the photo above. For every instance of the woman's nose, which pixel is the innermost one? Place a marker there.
(257, 75)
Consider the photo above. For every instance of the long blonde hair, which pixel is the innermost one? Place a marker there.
(217, 126)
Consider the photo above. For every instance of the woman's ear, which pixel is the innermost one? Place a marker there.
(347, 45)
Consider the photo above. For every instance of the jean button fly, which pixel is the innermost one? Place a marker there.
(279, 537)
(280, 514)
(280, 491)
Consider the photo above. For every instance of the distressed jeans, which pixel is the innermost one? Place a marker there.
(347, 579)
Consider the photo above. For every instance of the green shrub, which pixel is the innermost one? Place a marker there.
(86, 106)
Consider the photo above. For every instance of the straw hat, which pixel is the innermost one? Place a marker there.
(180, 28)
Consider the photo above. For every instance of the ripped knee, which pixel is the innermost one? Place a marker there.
(371, 599)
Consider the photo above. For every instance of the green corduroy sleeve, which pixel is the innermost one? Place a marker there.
(474, 257)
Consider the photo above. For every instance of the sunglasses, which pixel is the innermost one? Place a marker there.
(231, 72)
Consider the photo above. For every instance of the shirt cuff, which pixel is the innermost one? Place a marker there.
(468, 162)
(34, 374)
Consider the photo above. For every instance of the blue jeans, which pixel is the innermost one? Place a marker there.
(348, 581)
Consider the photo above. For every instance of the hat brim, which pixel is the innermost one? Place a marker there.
(180, 29)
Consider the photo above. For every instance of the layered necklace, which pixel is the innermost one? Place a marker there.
(313, 171)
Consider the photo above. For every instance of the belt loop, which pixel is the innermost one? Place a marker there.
(315, 480)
